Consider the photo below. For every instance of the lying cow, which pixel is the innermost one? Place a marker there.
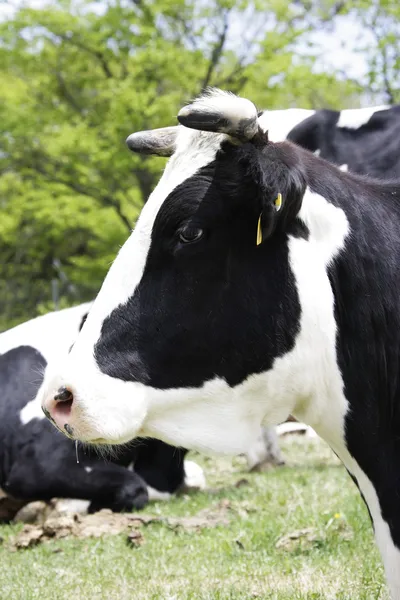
(260, 281)
(37, 462)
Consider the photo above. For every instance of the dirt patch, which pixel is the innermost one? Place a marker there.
(105, 522)
(301, 539)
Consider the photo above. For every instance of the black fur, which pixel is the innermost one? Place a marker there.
(217, 277)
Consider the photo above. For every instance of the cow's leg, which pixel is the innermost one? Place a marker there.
(382, 500)
(105, 485)
(372, 460)
(265, 451)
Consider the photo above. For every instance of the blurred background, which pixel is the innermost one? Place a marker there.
(77, 77)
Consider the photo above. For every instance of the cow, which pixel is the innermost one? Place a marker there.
(260, 281)
(38, 463)
(364, 139)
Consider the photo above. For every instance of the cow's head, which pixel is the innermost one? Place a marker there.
(195, 313)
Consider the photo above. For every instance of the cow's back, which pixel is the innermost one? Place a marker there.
(369, 146)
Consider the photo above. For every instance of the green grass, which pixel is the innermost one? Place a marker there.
(338, 560)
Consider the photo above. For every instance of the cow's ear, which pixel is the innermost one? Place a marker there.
(160, 142)
(279, 186)
(267, 218)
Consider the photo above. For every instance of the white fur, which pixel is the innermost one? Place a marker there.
(72, 505)
(353, 118)
(157, 496)
(295, 427)
(32, 410)
(279, 123)
(52, 335)
(194, 476)
(217, 101)
(265, 449)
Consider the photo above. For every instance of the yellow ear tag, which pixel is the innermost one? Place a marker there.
(278, 202)
(259, 232)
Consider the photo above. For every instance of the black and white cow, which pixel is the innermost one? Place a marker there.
(37, 462)
(366, 140)
(260, 281)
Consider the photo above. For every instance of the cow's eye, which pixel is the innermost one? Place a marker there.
(190, 234)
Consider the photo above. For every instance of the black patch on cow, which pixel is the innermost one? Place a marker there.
(222, 306)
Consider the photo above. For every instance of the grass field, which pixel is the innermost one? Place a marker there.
(334, 558)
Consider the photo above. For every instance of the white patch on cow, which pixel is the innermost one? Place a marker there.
(294, 427)
(279, 123)
(88, 469)
(257, 453)
(215, 101)
(324, 406)
(194, 476)
(353, 118)
(51, 334)
(156, 495)
(265, 449)
(72, 506)
(32, 410)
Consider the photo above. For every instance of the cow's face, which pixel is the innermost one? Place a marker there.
(194, 313)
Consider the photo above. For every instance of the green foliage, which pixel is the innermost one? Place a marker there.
(78, 76)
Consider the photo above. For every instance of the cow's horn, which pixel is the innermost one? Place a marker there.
(221, 112)
(155, 141)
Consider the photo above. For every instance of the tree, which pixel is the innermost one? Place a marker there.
(380, 45)
(78, 77)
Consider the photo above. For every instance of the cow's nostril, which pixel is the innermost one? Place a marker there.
(63, 395)
(63, 402)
